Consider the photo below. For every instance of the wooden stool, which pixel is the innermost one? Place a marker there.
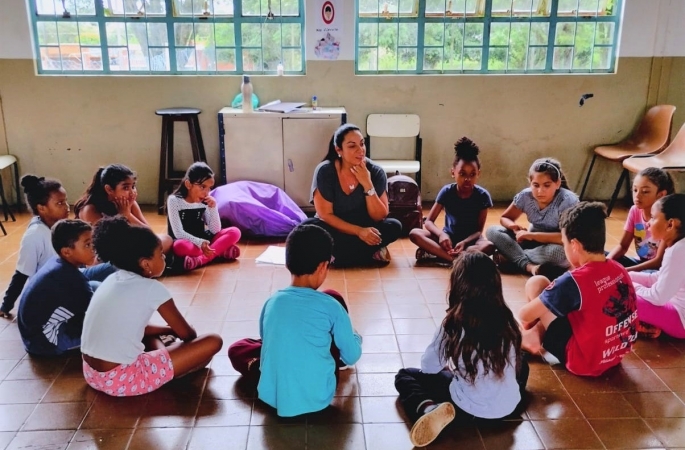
(168, 177)
(7, 161)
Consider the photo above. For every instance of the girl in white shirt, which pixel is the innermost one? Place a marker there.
(123, 355)
(194, 221)
(473, 366)
(47, 200)
(661, 295)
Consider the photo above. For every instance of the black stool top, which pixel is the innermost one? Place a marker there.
(177, 111)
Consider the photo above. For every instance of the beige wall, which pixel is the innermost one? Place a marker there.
(67, 126)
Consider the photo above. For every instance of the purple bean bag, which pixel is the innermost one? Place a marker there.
(257, 209)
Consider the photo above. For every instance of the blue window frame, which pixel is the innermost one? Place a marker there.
(168, 37)
(486, 36)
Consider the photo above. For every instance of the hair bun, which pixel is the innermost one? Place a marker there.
(111, 237)
(466, 149)
(31, 182)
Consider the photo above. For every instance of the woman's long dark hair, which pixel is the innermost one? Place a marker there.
(337, 140)
(479, 326)
(95, 193)
(197, 173)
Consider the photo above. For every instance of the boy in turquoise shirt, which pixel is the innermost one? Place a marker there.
(297, 325)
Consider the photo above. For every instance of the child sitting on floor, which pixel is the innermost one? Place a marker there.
(55, 300)
(466, 209)
(123, 355)
(537, 251)
(661, 295)
(194, 221)
(47, 200)
(586, 318)
(649, 185)
(304, 332)
(474, 364)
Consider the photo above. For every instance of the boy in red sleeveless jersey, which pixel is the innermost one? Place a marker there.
(586, 318)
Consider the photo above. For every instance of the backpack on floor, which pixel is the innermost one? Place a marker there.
(404, 201)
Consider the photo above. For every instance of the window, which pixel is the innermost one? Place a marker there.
(486, 36)
(168, 36)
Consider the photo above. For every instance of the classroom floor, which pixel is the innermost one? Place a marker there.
(46, 404)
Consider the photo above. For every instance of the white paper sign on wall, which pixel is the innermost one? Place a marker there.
(329, 19)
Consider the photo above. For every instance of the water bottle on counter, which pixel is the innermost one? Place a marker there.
(246, 91)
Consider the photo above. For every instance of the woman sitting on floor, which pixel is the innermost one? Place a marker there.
(349, 195)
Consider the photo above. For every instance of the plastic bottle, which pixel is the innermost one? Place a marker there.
(314, 102)
(246, 91)
(279, 69)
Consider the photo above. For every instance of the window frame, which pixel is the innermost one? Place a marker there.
(487, 19)
(237, 19)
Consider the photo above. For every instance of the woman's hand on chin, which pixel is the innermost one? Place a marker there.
(362, 174)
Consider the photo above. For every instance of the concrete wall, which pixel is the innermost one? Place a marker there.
(66, 127)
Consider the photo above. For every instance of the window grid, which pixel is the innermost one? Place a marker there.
(114, 56)
(602, 55)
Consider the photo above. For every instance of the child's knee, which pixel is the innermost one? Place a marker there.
(535, 285)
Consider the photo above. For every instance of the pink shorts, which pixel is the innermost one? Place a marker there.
(147, 373)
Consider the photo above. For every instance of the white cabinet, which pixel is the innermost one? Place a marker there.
(274, 148)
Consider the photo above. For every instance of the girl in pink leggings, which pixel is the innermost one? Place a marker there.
(194, 221)
(661, 295)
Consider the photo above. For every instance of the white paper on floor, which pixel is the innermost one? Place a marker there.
(272, 255)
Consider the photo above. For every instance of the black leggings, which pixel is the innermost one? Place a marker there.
(349, 250)
(415, 387)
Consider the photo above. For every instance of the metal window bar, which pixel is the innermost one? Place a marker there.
(170, 20)
(487, 19)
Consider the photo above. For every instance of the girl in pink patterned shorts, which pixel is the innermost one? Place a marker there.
(123, 355)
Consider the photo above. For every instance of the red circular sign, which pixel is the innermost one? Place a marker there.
(328, 13)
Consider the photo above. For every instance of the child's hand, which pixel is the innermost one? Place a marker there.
(524, 235)
(445, 242)
(207, 250)
(209, 201)
(516, 228)
(457, 248)
(123, 205)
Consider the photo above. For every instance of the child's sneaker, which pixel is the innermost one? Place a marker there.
(167, 339)
(382, 255)
(645, 330)
(429, 425)
(422, 255)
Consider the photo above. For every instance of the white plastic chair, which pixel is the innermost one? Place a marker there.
(396, 126)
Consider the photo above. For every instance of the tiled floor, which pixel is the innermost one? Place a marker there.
(46, 403)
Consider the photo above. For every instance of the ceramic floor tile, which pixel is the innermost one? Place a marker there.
(277, 437)
(56, 416)
(511, 435)
(53, 440)
(387, 435)
(230, 387)
(670, 431)
(410, 343)
(601, 405)
(159, 438)
(12, 417)
(169, 414)
(225, 438)
(577, 434)
(343, 410)
(23, 391)
(380, 344)
(382, 410)
(625, 433)
(100, 439)
(218, 413)
(36, 369)
(379, 363)
(656, 404)
(342, 437)
(111, 412)
(551, 405)
(375, 384)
